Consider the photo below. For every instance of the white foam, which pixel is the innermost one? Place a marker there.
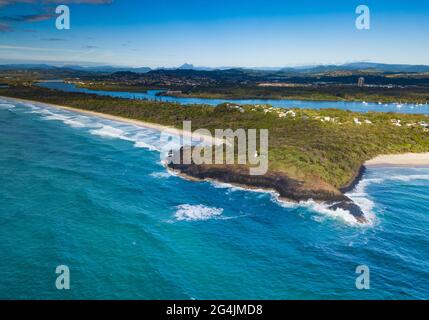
(275, 197)
(165, 174)
(6, 106)
(187, 212)
(41, 111)
(223, 185)
(407, 178)
(68, 118)
(107, 131)
(231, 187)
(142, 144)
(170, 171)
(322, 209)
(318, 207)
(363, 200)
(142, 137)
(149, 139)
(74, 122)
(30, 105)
(338, 213)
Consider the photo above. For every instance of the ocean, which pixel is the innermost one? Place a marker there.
(93, 194)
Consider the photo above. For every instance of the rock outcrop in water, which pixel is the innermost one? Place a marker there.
(288, 188)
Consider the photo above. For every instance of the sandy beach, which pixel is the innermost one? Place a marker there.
(157, 127)
(400, 160)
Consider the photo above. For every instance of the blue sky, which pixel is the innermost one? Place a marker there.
(252, 33)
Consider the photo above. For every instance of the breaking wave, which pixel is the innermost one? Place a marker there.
(150, 139)
(317, 207)
(6, 106)
(105, 128)
(360, 196)
(161, 175)
(107, 131)
(407, 178)
(187, 212)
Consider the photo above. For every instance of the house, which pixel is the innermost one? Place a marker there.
(291, 113)
(396, 122)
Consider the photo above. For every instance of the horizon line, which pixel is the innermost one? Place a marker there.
(88, 64)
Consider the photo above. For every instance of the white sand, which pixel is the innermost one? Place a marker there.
(406, 159)
(401, 160)
(158, 127)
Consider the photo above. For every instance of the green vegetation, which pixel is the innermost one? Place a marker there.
(327, 144)
(114, 86)
(320, 93)
(329, 83)
(383, 94)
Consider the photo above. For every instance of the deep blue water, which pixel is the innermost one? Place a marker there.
(92, 194)
(151, 95)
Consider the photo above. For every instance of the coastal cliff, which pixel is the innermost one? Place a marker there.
(288, 188)
(313, 154)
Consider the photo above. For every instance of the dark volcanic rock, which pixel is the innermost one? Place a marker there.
(287, 187)
(351, 207)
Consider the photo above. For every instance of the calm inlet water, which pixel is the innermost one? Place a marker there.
(92, 194)
(152, 95)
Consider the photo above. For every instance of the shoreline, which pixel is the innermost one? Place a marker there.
(287, 188)
(139, 123)
(234, 99)
(399, 160)
(304, 99)
(355, 181)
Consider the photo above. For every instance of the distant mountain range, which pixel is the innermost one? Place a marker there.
(360, 66)
(356, 66)
(103, 69)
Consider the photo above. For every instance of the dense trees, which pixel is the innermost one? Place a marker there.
(328, 144)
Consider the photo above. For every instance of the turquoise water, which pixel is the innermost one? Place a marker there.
(151, 95)
(92, 194)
